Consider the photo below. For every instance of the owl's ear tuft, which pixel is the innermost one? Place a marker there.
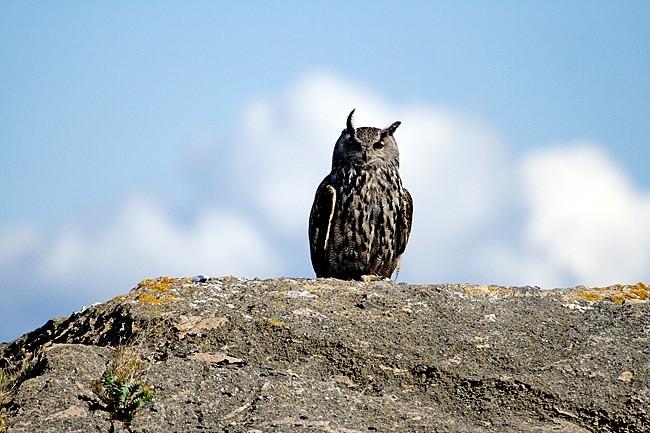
(389, 131)
(350, 125)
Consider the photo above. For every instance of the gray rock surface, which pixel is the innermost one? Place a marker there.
(286, 355)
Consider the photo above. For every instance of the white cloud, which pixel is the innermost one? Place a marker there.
(142, 239)
(585, 216)
(16, 242)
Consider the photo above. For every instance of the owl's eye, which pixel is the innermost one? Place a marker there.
(378, 145)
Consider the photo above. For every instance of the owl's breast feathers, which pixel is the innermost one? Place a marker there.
(360, 222)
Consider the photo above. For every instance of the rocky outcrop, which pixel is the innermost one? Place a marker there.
(285, 355)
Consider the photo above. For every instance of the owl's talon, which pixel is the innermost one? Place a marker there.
(371, 278)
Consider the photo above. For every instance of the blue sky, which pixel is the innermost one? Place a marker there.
(105, 106)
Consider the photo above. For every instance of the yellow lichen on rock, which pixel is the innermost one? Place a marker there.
(618, 293)
(641, 290)
(150, 298)
(161, 284)
(590, 295)
(277, 323)
(155, 290)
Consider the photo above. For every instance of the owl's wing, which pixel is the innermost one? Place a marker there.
(405, 218)
(320, 221)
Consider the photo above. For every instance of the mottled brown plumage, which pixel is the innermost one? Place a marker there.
(361, 217)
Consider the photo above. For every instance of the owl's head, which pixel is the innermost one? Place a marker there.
(366, 146)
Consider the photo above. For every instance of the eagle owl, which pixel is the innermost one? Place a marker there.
(361, 217)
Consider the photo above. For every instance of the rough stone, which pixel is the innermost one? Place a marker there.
(285, 355)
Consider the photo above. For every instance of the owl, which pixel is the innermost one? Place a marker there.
(360, 220)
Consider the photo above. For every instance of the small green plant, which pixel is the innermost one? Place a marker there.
(121, 387)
